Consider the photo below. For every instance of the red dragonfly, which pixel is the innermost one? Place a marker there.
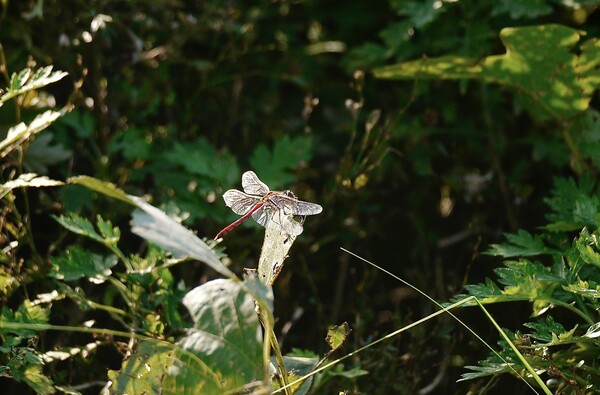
(264, 205)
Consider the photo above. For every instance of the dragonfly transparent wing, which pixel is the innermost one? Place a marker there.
(285, 221)
(292, 206)
(252, 185)
(307, 208)
(264, 214)
(288, 223)
(239, 202)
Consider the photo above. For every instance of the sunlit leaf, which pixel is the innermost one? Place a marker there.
(336, 335)
(584, 289)
(593, 331)
(28, 180)
(274, 251)
(24, 81)
(35, 378)
(8, 282)
(539, 62)
(226, 333)
(21, 132)
(160, 368)
(103, 187)
(154, 225)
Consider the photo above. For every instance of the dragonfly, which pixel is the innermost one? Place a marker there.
(266, 206)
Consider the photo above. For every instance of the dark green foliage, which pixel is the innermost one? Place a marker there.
(422, 174)
(570, 283)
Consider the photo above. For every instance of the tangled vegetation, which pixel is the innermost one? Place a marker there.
(453, 144)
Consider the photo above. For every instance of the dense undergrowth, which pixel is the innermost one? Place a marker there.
(456, 144)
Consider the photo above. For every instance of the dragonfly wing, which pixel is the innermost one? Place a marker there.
(252, 185)
(239, 202)
(287, 223)
(291, 226)
(307, 208)
(270, 214)
(263, 215)
(292, 206)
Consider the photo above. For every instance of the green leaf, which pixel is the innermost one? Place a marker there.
(587, 127)
(8, 283)
(588, 246)
(336, 335)
(584, 289)
(489, 369)
(226, 333)
(522, 8)
(201, 158)
(488, 292)
(27, 313)
(79, 225)
(495, 364)
(588, 65)
(365, 56)
(82, 122)
(544, 331)
(443, 67)
(573, 205)
(162, 368)
(518, 273)
(522, 243)
(103, 187)
(275, 165)
(78, 263)
(538, 62)
(395, 35)
(40, 154)
(420, 13)
(298, 367)
(348, 374)
(34, 377)
(109, 233)
(76, 295)
(132, 144)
